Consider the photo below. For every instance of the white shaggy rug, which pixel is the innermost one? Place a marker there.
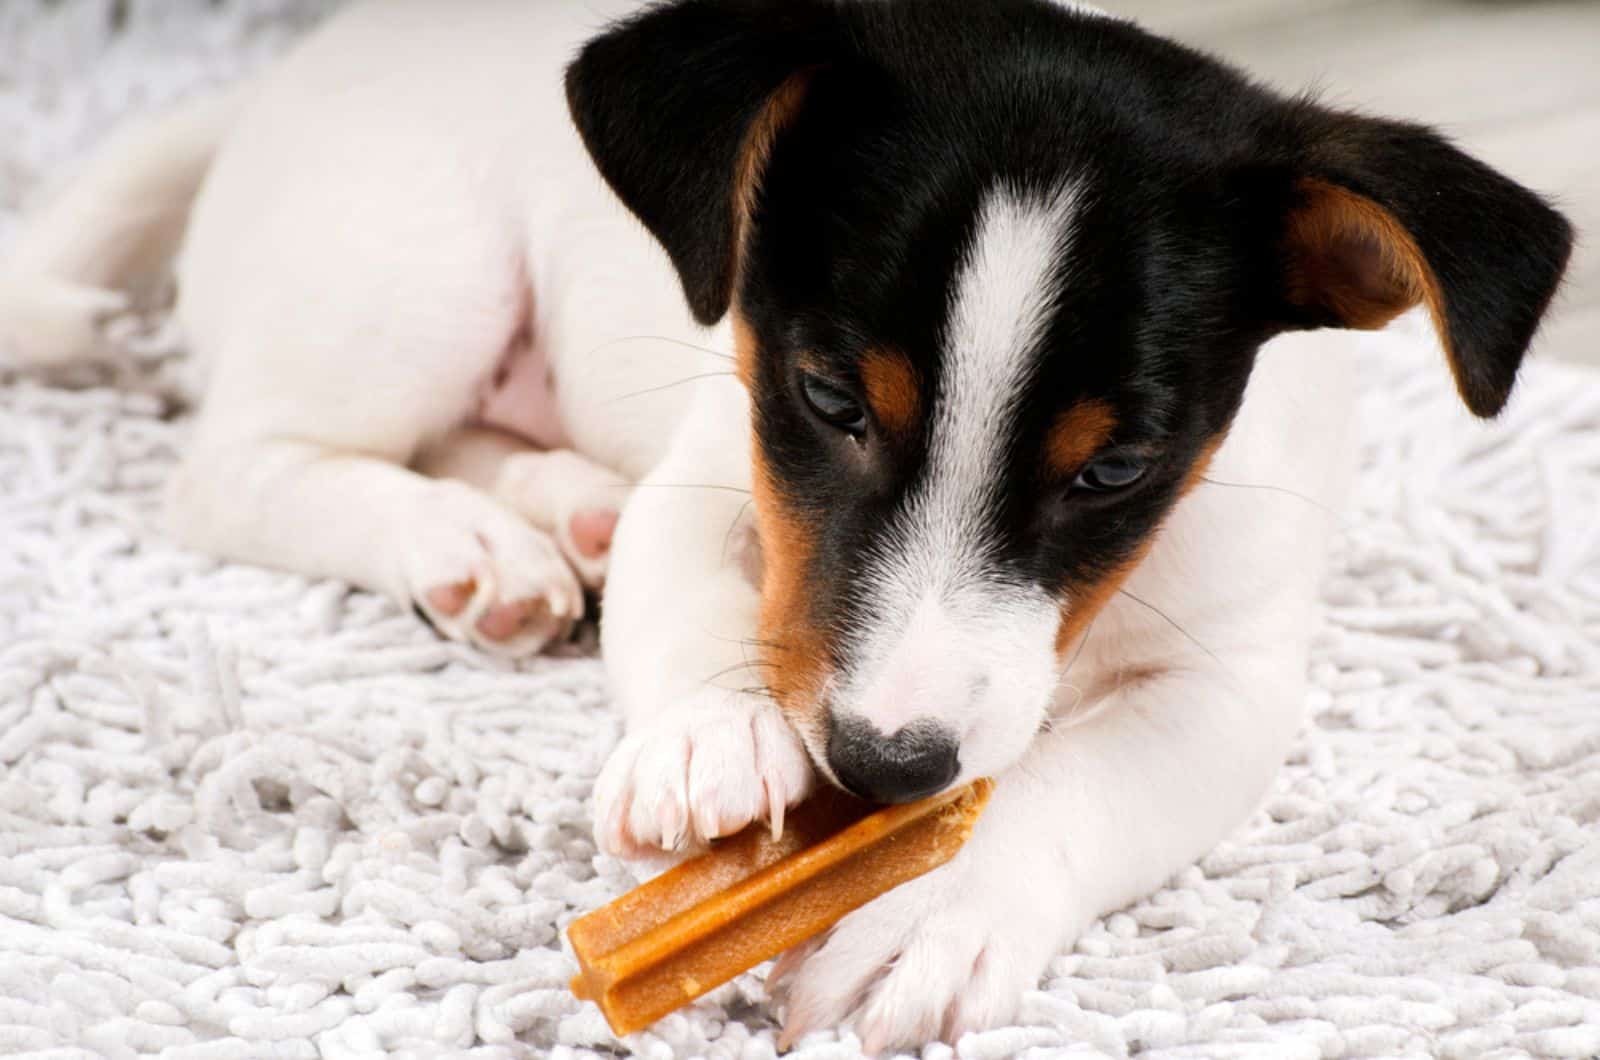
(243, 814)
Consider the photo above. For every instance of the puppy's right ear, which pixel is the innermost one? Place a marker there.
(679, 107)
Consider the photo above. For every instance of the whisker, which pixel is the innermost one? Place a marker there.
(1168, 620)
(663, 338)
(1081, 645)
(770, 645)
(1270, 489)
(727, 539)
(1030, 773)
(735, 668)
(680, 486)
(668, 386)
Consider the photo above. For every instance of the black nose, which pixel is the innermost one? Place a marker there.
(921, 759)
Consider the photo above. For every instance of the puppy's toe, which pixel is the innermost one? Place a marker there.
(577, 500)
(940, 956)
(991, 999)
(725, 791)
(483, 576)
(506, 622)
(591, 532)
(451, 600)
(705, 770)
(659, 811)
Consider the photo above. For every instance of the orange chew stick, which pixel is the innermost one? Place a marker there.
(750, 897)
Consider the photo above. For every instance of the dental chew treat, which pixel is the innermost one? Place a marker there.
(751, 897)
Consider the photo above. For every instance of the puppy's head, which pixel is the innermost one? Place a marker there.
(998, 273)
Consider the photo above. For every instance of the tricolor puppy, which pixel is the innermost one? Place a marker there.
(935, 334)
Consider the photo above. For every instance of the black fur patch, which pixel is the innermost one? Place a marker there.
(915, 110)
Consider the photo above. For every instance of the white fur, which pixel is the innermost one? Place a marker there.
(103, 235)
(348, 296)
(946, 640)
(681, 615)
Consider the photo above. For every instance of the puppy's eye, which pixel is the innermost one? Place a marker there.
(1109, 474)
(834, 405)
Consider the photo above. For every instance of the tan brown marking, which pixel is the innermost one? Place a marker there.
(891, 386)
(794, 661)
(1351, 257)
(794, 651)
(745, 348)
(779, 111)
(1086, 601)
(794, 655)
(1077, 435)
(1202, 464)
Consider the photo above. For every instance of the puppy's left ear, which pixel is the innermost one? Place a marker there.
(679, 107)
(1374, 217)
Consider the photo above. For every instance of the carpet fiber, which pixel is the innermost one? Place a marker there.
(244, 814)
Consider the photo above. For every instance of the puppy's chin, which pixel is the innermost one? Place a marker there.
(998, 749)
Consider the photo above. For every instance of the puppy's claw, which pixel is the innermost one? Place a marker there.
(775, 805)
(671, 826)
(705, 814)
(787, 964)
(777, 797)
(707, 769)
(793, 1031)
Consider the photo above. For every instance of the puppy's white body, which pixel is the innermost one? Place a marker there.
(437, 251)
(350, 300)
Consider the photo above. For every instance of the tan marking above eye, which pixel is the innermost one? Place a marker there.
(1085, 600)
(1077, 435)
(891, 389)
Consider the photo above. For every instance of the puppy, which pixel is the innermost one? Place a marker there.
(924, 328)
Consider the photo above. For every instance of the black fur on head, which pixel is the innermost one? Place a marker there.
(920, 102)
(1211, 215)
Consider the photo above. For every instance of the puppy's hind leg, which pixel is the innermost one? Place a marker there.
(475, 569)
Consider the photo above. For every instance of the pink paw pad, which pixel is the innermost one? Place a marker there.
(592, 531)
(451, 600)
(507, 621)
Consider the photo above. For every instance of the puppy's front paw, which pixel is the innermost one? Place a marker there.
(947, 953)
(707, 769)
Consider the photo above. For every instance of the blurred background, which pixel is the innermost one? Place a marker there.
(1517, 83)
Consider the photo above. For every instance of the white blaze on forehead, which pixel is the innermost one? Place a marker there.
(938, 553)
(1004, 295)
